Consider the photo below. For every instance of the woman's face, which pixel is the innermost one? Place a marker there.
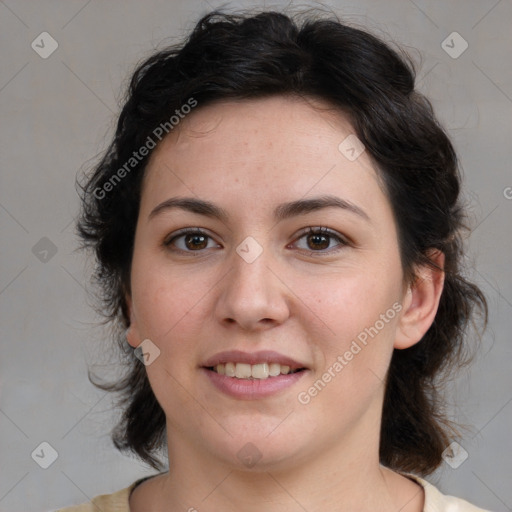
(256, 287)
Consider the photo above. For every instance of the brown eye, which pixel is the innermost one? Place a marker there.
(318, 240)
(188, 241)
(195, 241)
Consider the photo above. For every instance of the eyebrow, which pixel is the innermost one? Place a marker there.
(281, 212)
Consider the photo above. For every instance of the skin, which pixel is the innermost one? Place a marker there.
(247, 157)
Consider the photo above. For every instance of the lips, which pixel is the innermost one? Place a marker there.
(252, 375)
(254, 371)
(253, 358)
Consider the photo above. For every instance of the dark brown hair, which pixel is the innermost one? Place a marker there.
(234, 56)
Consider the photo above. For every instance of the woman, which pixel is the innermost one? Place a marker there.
(278, 233)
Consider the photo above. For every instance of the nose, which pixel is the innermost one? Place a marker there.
(253, 295)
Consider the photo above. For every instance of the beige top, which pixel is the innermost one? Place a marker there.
(119, 501)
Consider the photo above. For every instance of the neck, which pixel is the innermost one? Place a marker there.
(196, 481)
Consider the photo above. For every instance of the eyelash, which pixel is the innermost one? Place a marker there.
(309, 231)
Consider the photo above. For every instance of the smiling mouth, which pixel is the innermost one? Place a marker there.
(253, 371)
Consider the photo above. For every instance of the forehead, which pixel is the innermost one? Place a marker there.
(260, 149)
(250, 126)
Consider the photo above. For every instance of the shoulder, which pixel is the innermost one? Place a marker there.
(435, 501)
(115, 502)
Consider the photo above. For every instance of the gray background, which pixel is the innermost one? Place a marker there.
(59, 112)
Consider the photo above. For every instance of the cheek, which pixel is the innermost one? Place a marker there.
(168, 309)
(353, 358)
(165, 302)
(356, 314)
(347, 303)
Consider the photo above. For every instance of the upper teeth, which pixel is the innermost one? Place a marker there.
(256, 371)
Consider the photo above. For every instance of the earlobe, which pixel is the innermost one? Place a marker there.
(420, 302)
(132, 334)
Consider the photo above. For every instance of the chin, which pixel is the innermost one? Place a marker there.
(261, 446)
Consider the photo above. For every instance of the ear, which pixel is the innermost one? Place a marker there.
(132, 333)
(420, 302)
